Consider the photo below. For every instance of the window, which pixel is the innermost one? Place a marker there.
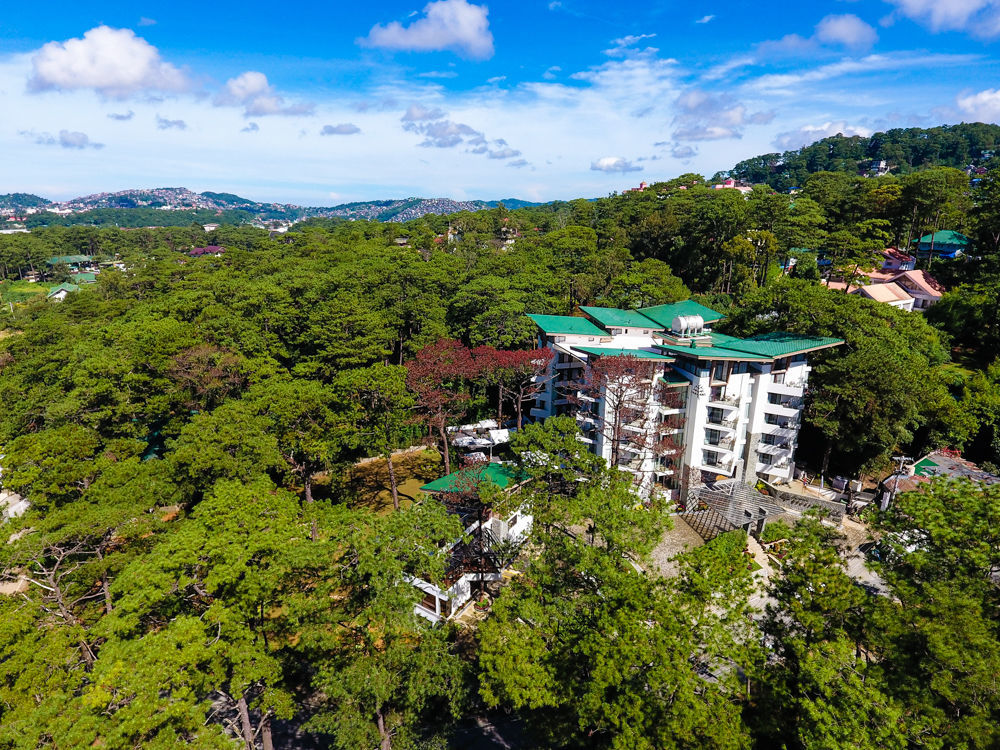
(773, 419)
(712, 437)
(429, 602)
(765, 458)
(739, 368)
(719, 371)
(715, 415)
(711, 458)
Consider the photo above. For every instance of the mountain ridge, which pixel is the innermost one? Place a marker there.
(183, 199)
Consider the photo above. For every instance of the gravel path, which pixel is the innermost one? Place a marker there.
(679, 539)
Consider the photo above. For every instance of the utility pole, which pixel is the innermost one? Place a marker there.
(895, 483)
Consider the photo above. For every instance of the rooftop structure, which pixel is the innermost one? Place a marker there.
(697, 401)
(492, 536)
(890, 293)
(944, 244)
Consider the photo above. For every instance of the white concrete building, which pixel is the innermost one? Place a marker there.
(493, 536)
(707, 403)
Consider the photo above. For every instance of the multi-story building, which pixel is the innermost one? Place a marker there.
(692, 402)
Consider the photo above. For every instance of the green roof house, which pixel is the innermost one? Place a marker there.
(945, 244)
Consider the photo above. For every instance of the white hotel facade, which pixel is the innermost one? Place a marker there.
(717, 405)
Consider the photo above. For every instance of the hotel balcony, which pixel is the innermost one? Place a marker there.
(792, 388)
(725, 444)
(783, 446)
(779, 467)
(781, 410)
(717, 422)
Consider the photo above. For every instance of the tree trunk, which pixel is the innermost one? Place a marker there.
(307, 484)
(265, 732)
(245, 726)
(385, 742)
(443, 430)
(826, 458)
(520, 415)
(392, 480)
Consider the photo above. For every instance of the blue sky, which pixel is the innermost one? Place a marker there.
(325, 103)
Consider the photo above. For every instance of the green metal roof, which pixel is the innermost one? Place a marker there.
(86, 278)
(613, 352)
(63, 287)
(611, 317)
(69, 259)
(567, 325)
(465, 480)
(711, 352)
(671, 377)
(782, 344)
(945, 237)
(665, 314)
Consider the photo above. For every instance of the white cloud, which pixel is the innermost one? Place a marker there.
(344, 128)
(847, 30)
(121, 116)
(258, 98)
(113, 62)
(162, 123)
(72, 139)
(418, 112)
(438, 74)
(251, 127)
(551, 73)
(844, 30)
(683, 152)
(979, 17)
(705, 19)
(791, 83)
(811, 133)
(626, 45)
(983, 106)
(612, 164)
(702, 116)
(147, 21)
(446, 25)
(504, 153)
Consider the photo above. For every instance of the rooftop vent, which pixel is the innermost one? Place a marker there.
(688, 325)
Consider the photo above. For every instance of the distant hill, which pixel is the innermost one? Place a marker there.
(903, 149)
(21, 200)
(144, 207)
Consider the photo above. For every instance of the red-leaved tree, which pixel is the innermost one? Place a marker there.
(614, 396)
(438, 377)
(518, 375)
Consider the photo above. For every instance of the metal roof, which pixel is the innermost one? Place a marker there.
(566, 324)
(665, 314)
(600, 351)
(945, 237)
(782, 344)
(763, 346)
(611, 317)
(466, 480)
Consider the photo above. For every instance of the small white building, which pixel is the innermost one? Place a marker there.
(494, 535)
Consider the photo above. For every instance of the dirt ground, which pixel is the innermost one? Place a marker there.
(369, 482)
